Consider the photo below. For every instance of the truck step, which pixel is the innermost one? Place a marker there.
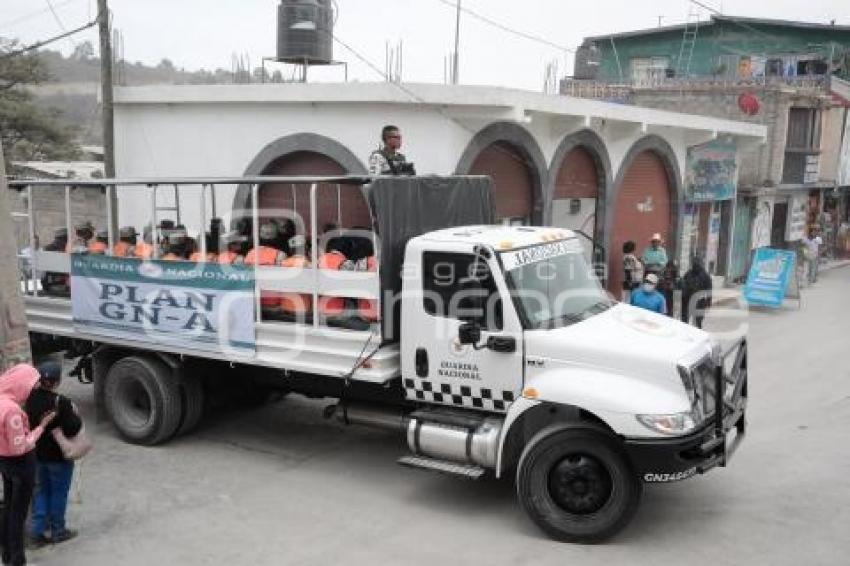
(469, 471)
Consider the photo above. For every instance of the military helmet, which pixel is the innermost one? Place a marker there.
(127, 232)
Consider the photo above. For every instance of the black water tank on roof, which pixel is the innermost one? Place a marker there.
(305, 31)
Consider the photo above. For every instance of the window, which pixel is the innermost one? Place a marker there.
(443, 278)
(649, 69)
(803, 129)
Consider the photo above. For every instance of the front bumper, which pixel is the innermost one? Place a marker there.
(660, 460)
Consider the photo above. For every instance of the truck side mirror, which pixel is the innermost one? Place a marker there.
(469, 333)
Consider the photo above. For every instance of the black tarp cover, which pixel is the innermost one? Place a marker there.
(406, 207)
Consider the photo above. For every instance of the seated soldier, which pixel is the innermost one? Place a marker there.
(332, 308)
(100, 244)
(176, 244)
(267, 254)
(126, 242)
(367, 309)
(53, 283)
(297, 306)
(232, 244)
(83, 232)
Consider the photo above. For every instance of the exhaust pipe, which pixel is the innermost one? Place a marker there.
(374, 416)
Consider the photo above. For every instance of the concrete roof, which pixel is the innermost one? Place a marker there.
(457, 101)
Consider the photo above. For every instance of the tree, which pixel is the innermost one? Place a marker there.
(83, 51)
(29, 132)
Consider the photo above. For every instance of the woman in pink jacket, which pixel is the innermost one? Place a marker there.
(17, 457)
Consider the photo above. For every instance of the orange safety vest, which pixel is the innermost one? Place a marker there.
(296, 303)
(121, 249)
(96, 247)
(143, 250)
(331, 306)
(267, 255)
(228, 257)
(196, 257)
(367, 308)
(171, 257)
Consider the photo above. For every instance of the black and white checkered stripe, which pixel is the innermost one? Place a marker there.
(458, 395)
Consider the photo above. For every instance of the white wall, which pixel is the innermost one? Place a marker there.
(211, 135)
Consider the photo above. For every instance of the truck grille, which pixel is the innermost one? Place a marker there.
(705, 387)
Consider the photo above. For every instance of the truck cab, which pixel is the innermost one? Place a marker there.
(596, 397)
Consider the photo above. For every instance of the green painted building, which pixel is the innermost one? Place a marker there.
(723, 47)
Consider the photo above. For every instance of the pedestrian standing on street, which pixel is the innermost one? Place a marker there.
(812, 254)
(648, 297)
(53, 471)
(655, 256)
(387, 159)
(632, 270)
(696, 292)
(17, 457)
(668, 283)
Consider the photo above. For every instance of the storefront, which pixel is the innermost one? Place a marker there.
(710, 186)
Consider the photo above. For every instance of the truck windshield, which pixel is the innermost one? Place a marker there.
(553, 285)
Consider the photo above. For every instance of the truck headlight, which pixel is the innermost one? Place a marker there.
(675, 424)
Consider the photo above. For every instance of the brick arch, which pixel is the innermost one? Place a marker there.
(516, 143)
(593, 148)
(649, 159)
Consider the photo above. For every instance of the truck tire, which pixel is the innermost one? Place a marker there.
(143, 400)
(192, 403)
(577, 484)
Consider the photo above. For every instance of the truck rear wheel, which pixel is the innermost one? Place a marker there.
(143, 400)
(577, 485)
(192, 403)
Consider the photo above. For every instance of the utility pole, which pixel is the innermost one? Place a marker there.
(107, 109)
(456, 62)
(14, 335)
(106, 88)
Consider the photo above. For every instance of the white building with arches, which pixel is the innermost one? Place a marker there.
(612, 170)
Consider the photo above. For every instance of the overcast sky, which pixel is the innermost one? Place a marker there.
(205, 33)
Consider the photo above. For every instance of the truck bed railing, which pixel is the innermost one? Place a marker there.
(308, 280)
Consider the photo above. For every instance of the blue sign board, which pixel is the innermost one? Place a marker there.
(769, 277)
(711, 172)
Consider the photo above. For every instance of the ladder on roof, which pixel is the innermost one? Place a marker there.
(689, 40)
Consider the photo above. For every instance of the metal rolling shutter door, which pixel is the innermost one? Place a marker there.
(512, 180)
(642, 208)
(577, 176)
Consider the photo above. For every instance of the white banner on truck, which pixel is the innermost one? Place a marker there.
(195, 306)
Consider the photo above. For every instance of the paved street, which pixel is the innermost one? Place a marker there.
(282, 486)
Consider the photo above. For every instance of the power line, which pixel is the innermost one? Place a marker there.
(31, 15)
(39, 44)
(56, 16)
(503, 27)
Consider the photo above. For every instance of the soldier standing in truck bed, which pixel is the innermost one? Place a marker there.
(387, 160)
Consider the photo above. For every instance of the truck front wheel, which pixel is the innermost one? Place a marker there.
(143, 399)
(577, 485)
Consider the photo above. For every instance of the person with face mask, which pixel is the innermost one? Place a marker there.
(696, 292)
(648, 297)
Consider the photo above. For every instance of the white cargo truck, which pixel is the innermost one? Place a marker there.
(493, 349)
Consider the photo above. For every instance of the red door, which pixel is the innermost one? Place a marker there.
(512, 181)
(642, 209)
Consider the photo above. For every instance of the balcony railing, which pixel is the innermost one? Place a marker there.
(623, 91)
